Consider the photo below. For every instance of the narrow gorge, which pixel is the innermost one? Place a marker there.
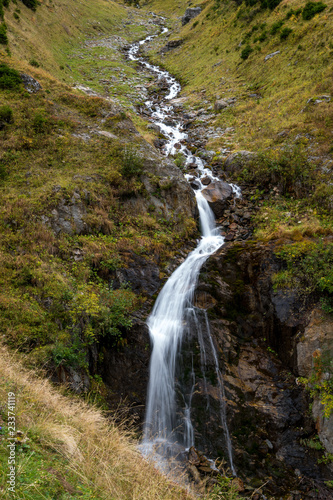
(166, 249)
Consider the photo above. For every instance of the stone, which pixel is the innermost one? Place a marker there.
(172, 44)
(190, 13)
(220, 104)
(104, 133)
(217, 194)
(206, 180)
(30, 84)
(269, 56)
(236, 161)
(195, 184)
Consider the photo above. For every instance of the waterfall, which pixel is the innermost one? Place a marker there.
(167, 426)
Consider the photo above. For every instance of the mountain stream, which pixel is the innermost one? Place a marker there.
(168, 429)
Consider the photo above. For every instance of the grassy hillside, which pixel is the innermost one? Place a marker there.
(271, 96)
(80, 189)
(281, 107)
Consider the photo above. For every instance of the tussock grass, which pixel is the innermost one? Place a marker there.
(88, 456)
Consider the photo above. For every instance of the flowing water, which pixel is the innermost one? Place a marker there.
(168, 424)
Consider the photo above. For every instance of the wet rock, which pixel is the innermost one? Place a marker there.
(236, 161)
(217, 194)
(159, 143)
(190, 13)
(206, 180)
(195, 184)
(30, 84)
(317, 342)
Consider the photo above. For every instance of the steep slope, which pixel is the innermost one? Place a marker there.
(68, 449)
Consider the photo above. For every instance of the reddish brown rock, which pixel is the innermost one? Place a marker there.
(217, 194)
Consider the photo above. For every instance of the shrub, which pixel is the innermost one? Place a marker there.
(34, 63)
(132, 164)
(262, 37)
(9, 78)
(311, 9)
(288, 169)
(40, 124)
(246, 52)
(3, 34)
(6, 114)
(271, 4)
(31, 4)
(285, 33)
(3, 170)
(276, 26)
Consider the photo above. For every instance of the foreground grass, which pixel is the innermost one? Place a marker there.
(69, 449)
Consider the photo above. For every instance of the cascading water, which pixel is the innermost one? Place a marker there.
(168, 423)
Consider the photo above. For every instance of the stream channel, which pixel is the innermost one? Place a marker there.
(168, 429)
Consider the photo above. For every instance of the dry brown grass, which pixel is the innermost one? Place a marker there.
(103, 456)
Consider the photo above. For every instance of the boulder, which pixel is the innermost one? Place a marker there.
(220, 104)
(217, 194)
(30, 84)
(236, 161)
(172, 44)
(190, 14)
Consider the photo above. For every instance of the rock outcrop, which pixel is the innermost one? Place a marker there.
(190, 13)
(217, 194)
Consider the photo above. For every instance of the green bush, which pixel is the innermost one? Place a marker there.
(271, 4)
(246, 52)
(3, 34)
(9, 78)
(3, 170)
(309, 267)
(263, 36)
(40, 124)
(311, 9)
(276, 26)
(6, 114)
(285, 33)
(288, 169)
(31, 4)
(34, 63)
(132, 164)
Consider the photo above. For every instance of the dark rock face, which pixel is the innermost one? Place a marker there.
(217, 194)
(125, 370)
(190, 14)
(256, 333)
